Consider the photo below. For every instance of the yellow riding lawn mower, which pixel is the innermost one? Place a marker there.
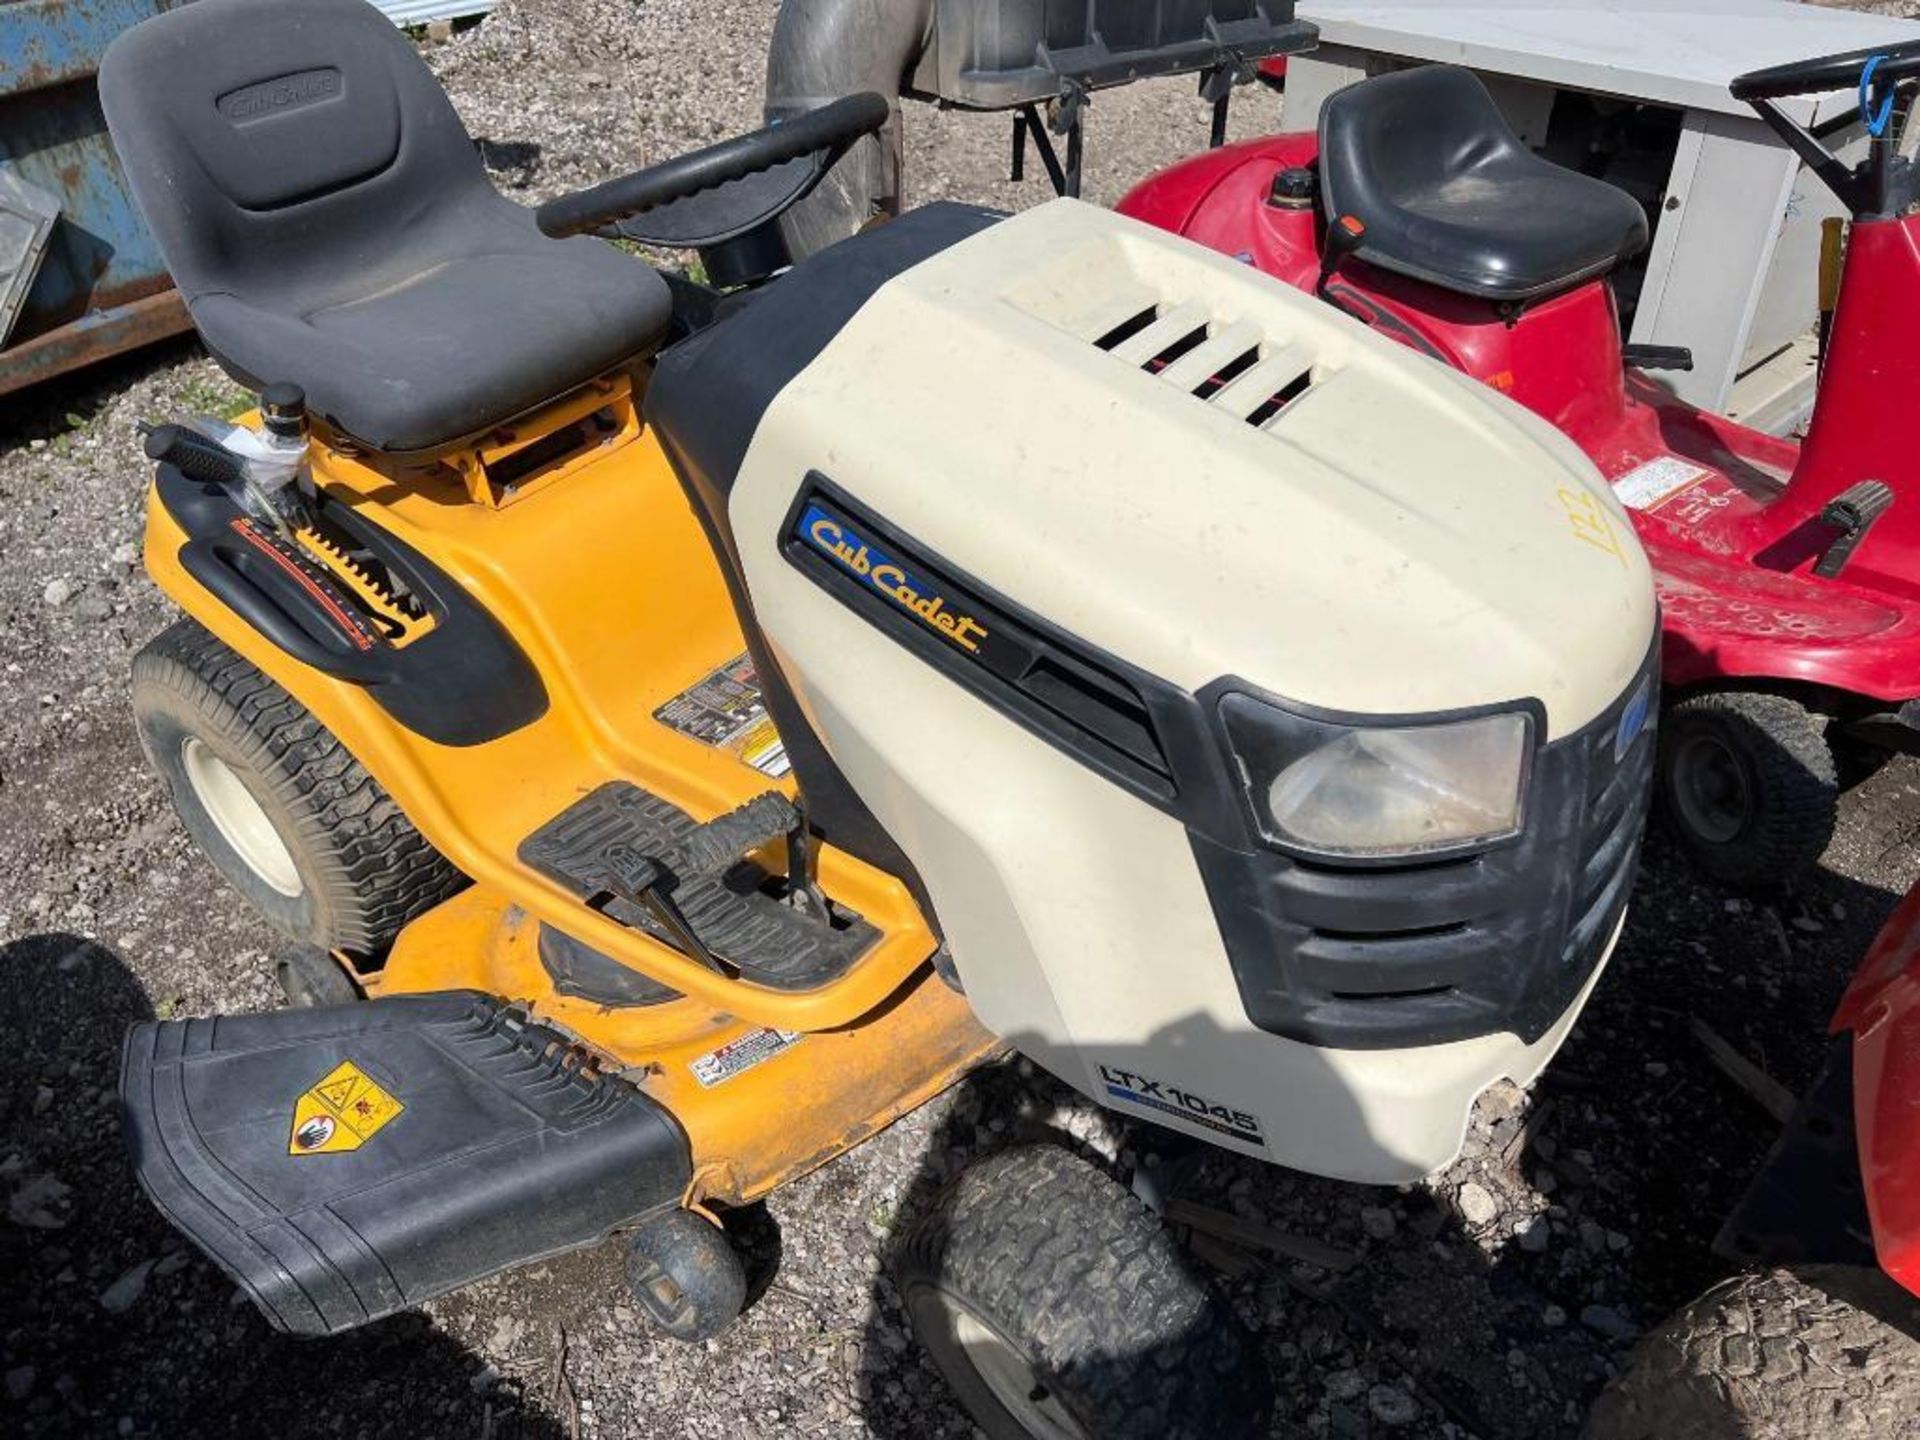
(689, 725)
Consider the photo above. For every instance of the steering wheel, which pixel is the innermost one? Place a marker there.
(726, 190)
(1830, 72)
(1881, 185)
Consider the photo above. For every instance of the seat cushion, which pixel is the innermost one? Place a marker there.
(328, 221)
(1450, 195)
(464, 341)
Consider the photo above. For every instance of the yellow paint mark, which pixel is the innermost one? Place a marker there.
(1589, 520)
(342, 1112)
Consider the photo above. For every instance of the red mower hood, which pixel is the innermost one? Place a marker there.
(1882, 1010)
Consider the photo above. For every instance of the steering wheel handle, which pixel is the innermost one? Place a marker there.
(830, 128)
(1830, 72)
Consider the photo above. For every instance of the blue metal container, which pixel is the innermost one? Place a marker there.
(102, 287)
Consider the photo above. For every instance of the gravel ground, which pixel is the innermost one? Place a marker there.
(1492, 1301)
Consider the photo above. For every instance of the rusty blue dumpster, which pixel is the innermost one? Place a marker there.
(101, 286)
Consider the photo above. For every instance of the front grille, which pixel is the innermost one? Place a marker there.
(1420, 954)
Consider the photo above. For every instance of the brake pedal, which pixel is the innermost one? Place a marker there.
(1853, 513)
(649, 865)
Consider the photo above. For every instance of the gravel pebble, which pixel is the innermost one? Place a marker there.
(1377, 1221)
(125, 1293)
(1392, 1406)
(1477, 1205)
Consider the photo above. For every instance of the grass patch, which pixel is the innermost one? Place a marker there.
(215, 395)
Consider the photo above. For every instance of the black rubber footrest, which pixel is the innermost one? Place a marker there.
(345, 1163)
(620, 839)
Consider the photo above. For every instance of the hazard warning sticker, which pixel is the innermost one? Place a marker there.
(737, 1056)
(344, 1111)
(1649, 486)
(724, 711)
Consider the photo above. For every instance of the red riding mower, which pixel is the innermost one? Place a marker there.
(1786, 571)
(1830, 1231)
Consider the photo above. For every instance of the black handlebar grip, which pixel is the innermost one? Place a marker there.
(1827, 73)
(194, 455)
(826, 129)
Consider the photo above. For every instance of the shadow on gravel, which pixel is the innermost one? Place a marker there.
(67, 402)
(110, 1323)
(1502, 1309)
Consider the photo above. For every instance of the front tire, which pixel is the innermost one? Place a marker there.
(1749, 786)
(279, 806)
(1824, 1353)
(1058, 1308)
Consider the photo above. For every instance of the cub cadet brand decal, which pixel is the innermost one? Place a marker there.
(737, 1056)
(1133, 1088)
(838, 539)
(344, 1111)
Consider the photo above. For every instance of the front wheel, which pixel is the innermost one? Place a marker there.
(1824, 1353)
(1058, 1308)
(1748, 784)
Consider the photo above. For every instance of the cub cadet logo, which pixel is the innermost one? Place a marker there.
(1134, 1088)
(860, 556)
(273, 97)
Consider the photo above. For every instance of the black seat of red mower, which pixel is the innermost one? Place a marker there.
(1450, 195)
(329, 221)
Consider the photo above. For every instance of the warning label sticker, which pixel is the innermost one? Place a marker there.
(737, 1056)
(724, 711)
(1648, 486)
(341, 1113)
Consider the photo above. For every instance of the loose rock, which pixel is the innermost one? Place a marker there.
(1477, 1205)
(125, 1293)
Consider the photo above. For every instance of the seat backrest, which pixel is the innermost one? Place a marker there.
(277, 137)
(1405, 131)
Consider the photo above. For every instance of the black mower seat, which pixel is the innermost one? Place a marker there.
(1450, 195)
(328, 221)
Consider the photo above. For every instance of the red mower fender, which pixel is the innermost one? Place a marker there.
(1882, 1010)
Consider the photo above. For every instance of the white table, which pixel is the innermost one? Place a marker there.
(1732, 273)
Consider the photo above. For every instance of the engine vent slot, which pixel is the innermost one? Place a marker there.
(1231, 365)
(1127, 328)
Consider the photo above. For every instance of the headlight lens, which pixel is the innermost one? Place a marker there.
(1380, 791)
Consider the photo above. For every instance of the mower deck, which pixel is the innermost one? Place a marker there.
(434, 1140)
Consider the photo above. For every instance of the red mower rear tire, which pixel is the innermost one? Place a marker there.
(1748, 785)
(284, 812)
(1823, 1353)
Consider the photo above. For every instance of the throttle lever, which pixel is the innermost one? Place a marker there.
(193, 454)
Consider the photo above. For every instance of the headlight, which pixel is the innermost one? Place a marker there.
(1366, 791)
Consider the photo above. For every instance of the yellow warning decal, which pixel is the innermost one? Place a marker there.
(341, 1113)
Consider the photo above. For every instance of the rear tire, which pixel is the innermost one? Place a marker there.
(1825, 1353)
(292, 820)
(1057, 1307)
(1748, 784)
